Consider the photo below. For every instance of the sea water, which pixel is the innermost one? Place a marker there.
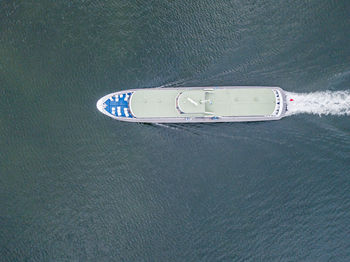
(76, 185)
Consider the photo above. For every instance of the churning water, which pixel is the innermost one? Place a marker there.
(319, 103)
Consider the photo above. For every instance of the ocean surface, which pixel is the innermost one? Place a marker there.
(76, 185)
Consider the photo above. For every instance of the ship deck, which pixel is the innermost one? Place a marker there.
(195, 104)
(157, 103)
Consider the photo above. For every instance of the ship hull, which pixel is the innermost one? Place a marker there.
(195, 104)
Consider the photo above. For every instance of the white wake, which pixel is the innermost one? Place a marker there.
(319, 103)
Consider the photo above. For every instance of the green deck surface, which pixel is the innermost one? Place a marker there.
(223, 102)
(241, 102)
(154, 103)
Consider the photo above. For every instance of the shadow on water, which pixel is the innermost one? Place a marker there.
(243, 131)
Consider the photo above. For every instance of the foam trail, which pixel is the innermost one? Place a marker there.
(174, 83)
(164, 125)
(319, 103)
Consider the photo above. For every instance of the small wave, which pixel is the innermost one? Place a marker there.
(319, 103)
(174, 83)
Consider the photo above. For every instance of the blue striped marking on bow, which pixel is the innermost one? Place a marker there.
(118, 105)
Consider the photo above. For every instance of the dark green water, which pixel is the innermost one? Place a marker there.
(76, 185)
